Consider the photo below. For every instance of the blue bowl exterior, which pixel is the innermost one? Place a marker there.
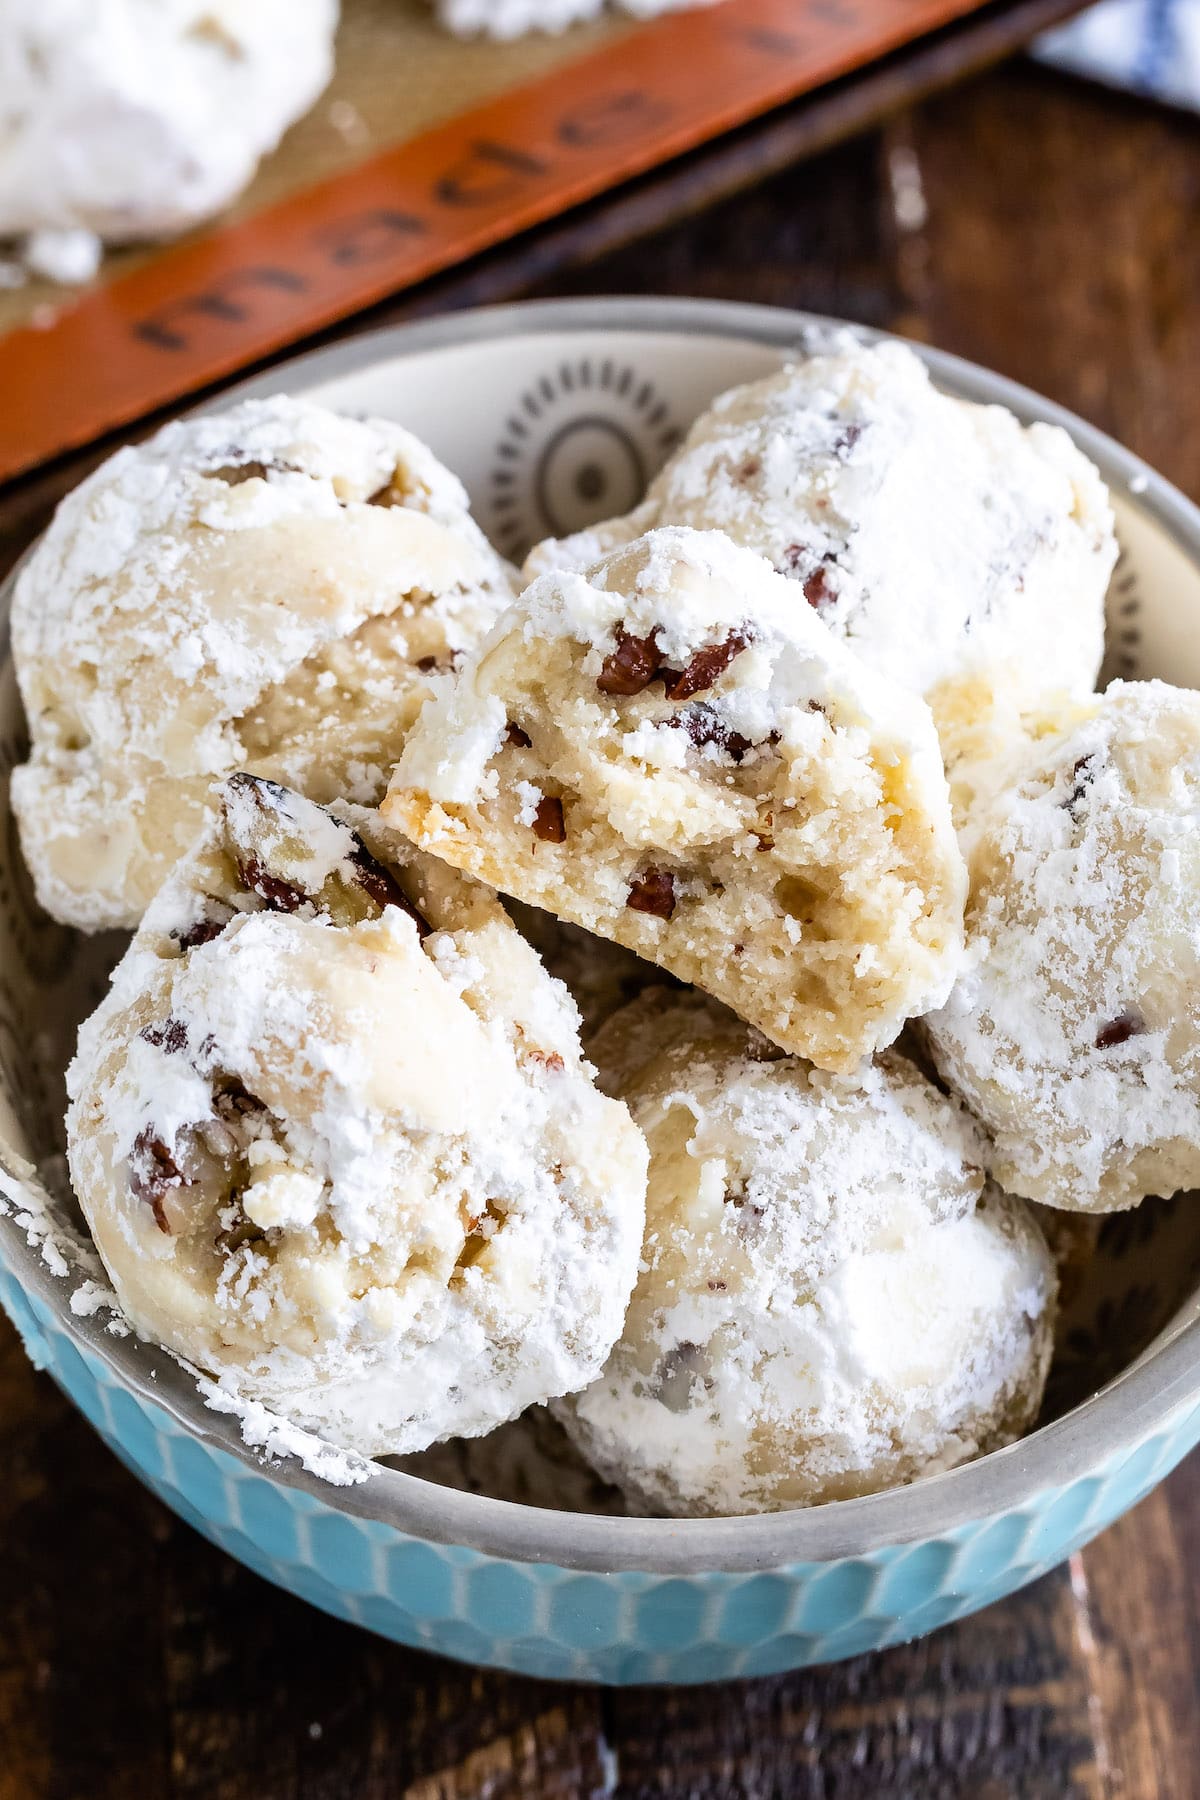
(621, 1628)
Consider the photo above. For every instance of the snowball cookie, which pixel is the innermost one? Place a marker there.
(1074, 1031)
(138, 118)
(267, 588)
(505, 19)
(830, 1301)
(939, 539)
(667, 751)
(336, 1143)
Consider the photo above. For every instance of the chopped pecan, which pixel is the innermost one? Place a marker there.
(279, 894)
(652, 891)
(818, 590)
(704, 725)
(202, 930)
(234, 1102)
(153, 1173)
(632, 666)
(707, 666)
(1128, 1023)
(384, 889)
(265, 849)
(169, 1035)
(1082, 776)
(271, 811)
(548, 820)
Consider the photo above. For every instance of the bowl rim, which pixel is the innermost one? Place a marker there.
(1103, 1429)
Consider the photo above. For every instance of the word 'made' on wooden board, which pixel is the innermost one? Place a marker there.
(197, 313)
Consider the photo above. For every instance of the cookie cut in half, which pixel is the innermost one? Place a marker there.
(669, 752)
(336, 1143)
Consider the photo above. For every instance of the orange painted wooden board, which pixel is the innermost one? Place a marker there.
(199, 312)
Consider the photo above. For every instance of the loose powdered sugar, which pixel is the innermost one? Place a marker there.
(274, 1436)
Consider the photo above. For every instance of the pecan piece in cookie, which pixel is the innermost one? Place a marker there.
(708, 665)
(153, 1174)
(653, 891)
(548, 822)
(632, 666)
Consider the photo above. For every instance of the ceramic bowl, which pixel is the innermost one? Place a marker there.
(556, 414)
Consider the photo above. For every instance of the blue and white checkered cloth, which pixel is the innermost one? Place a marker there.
(1149, 46)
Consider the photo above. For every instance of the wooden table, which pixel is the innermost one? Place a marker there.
(1049, 231)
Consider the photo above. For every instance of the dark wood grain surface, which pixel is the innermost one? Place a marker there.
(1050, 231)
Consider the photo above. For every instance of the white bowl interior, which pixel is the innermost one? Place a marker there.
(551, 429)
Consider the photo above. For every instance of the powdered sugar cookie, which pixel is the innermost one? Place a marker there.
(267, 588)
(336, 1144)
(138, 118)
(669, 752)
(1074, 1031)
(943, 541)
(506, 19)
(831, 1301)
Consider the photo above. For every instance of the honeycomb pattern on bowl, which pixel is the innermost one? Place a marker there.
(631, 1626)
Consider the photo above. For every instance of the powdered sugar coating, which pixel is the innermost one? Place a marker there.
(137, 118)
(507, 19)
(730, 792)
(336, 1143)
(830, 1301)
(1074, 1031)
(939, 539)
(264, 588)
